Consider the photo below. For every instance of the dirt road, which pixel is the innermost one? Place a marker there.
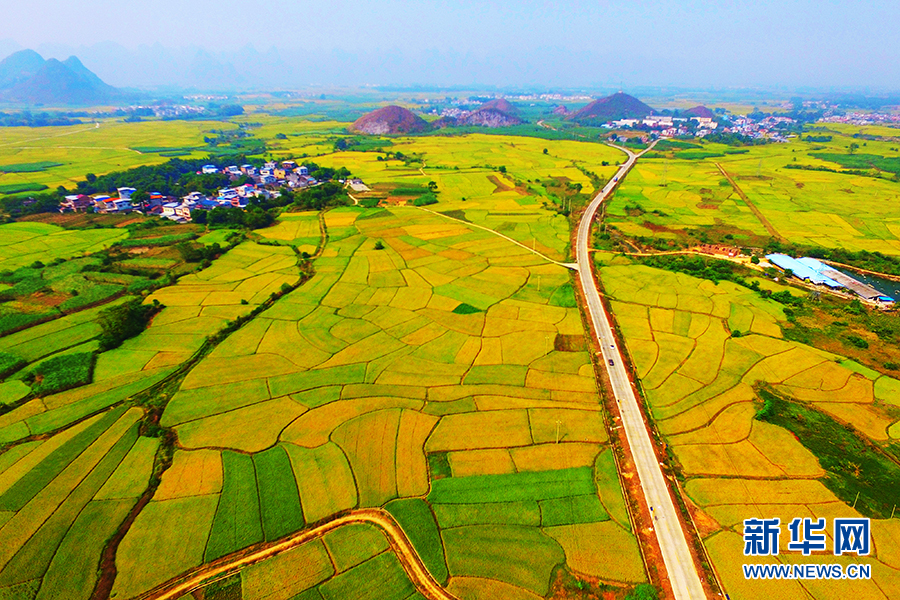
(409, 558)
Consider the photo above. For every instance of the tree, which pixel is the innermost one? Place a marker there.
(854, 147)
(432, 186)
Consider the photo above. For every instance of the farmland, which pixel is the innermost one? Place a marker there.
(735, 465)
(671, 198)
(423, 358)
(81, 149)
(366, 373)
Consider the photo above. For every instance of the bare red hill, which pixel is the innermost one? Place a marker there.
(390, 120)
(699, 111)
(611, 108)
(501, 104)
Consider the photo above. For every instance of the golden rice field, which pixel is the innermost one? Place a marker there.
(87, 148)
(838, 210)
(21, 244)
(198, 306)
(438, 348)
(698, 381)
(423, 377)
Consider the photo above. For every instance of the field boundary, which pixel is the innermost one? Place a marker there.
(756, 212)
(572, 266)
(409, 559)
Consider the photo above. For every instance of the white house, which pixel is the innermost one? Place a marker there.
(169, 210)
(208, 169)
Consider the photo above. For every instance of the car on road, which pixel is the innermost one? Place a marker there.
(611, 362)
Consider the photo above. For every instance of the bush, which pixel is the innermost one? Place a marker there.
(425, 200)
(91, 295)
(644, 591)
(13, 321)
(62, 373)
(9, 364)
(856, 341)
(125, 321)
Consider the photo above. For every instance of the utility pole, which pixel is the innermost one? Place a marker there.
(857, 498)
(665, 172)
(759, 169)
(558, 422)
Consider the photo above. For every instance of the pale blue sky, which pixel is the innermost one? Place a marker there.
(652, 42)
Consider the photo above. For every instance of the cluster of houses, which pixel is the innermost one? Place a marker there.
(770, 128)
(666, 126)
(264, 182)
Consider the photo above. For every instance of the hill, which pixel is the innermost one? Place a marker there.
(503, 105)
(699, 111)
(611, 108)
(388, 120)
(26, 77)
(495, 113)
(19, 67)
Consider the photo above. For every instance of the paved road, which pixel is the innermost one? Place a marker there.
(409, 559)
(676, 554)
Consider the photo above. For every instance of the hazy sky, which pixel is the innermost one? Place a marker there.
(576, 42)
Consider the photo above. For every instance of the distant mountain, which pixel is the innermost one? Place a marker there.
(611, 108)
(699, 111)
(495, 113)
(490, 117)
(389, 120)
(18, 67)
(26, 77)
(503, 105)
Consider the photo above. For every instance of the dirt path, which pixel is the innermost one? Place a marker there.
(409, 558)
(572, 266)
(756, 212)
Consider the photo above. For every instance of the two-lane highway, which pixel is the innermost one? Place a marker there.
(676, 553)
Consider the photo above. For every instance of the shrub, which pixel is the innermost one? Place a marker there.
(62, 373)
(856, 341)
(9, 363)
(125, 321)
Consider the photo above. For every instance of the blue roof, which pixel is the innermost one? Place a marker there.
(802, 270)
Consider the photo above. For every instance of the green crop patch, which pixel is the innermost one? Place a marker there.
(33, 167)
(466, 309)
(859, 161)
(9, 363)
(511, 487)
(23, 490)
(353, 544)
(521, 512)
(572, 510)
(278, 495)
(418, 522)
(62, 373)
(379, 578)
(237, 521)
(18, 188)
(564, 296)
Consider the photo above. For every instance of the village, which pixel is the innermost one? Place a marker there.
(265, 182)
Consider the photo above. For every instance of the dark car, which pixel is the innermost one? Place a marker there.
(611, 363)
